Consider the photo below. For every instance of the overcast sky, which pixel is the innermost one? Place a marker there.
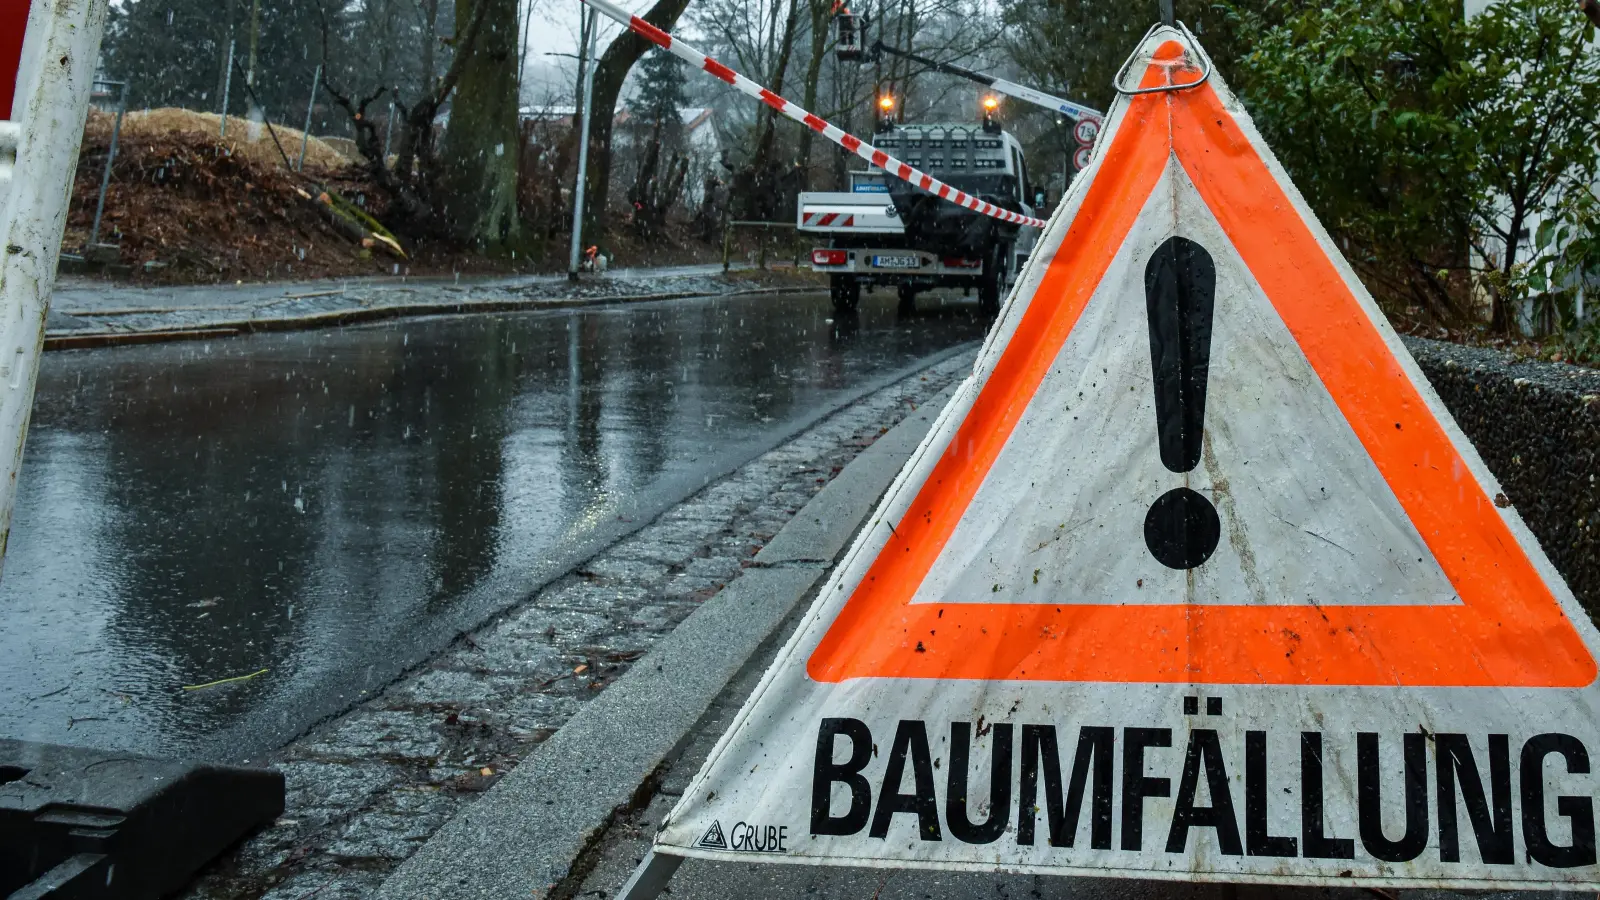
(555, 25)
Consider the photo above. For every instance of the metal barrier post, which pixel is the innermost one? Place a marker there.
(111, 157)
(227, 88)
(305, 136)
(766, 234)
(589, 61)
(388, 132)
(35, 212)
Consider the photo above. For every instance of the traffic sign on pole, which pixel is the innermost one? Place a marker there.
(1086, 130)
(1195, 578)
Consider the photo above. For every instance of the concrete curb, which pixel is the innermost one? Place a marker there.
(222, 329)
(527, 834)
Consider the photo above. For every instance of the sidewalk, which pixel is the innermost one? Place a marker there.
(86, 312)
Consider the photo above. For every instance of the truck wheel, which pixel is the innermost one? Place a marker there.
(908, 298)
(991, 282)
(845, 291)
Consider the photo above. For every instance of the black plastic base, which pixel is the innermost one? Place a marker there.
(77, 823)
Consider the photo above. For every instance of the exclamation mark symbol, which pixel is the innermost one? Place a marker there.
(1180, 284)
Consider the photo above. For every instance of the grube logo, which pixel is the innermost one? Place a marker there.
(746, 837)
(713, 839)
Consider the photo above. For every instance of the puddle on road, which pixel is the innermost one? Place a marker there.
(328, 505)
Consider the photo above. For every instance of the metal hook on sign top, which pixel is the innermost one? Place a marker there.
(1194, 44)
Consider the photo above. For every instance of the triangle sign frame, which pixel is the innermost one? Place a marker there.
(1508, 629)
(1358, 658)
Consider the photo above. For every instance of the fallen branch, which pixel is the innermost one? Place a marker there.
(375, 231)
(209, 684)
(351, 222)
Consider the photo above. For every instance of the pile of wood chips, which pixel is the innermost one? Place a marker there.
(186, 205)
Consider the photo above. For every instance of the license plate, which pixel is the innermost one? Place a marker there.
(897, 262)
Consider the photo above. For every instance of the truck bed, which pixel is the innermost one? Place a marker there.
(842, 212)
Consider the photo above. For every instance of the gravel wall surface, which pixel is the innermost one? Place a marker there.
(1537, 426)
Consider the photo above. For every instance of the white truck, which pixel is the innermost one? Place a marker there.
(883, 231)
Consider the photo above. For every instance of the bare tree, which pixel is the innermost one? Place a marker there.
(609, 75)
(759, 183)
(406, 182)
(477, 171)
(761, 40)
(819, 19)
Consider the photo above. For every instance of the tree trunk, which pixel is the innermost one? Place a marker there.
(430, 37)
(1502, 318)
(780, 71)
(757, 185)
(609, 74)
(384, 27)
(819, 47)
(477, 186)
(414, 152)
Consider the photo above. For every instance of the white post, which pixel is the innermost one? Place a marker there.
(522, 58)
(584, 56)
(111, 160)
(388, 132)
(227, 87)
(305, 136)
(35, 211)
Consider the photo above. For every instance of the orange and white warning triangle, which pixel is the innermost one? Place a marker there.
(1194, 578)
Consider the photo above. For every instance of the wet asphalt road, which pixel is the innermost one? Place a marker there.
(333, 507)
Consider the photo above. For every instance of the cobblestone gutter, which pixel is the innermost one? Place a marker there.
(368, 788)
(1537, 426)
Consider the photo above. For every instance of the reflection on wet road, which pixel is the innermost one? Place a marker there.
(334, 506)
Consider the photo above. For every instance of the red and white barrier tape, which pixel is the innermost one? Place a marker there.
(832, 132)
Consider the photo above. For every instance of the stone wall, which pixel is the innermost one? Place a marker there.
(1537, 426)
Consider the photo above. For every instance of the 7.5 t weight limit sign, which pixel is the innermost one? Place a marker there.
(1085, 131)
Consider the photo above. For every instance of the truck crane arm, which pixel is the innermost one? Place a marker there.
(1075, 111)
